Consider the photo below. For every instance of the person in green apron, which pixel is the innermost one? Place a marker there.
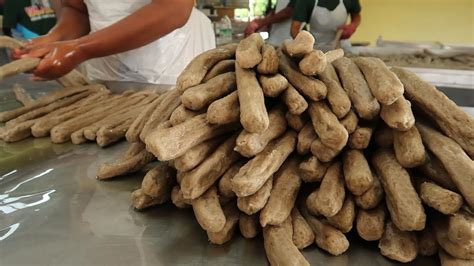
(325, 18)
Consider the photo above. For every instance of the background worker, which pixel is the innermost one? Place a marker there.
(279, 21)
(325, 18)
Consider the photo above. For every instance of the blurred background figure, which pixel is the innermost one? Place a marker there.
(325, 18)
(30, 18)
(277, 21)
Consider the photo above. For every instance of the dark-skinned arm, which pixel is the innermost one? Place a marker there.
(349, 29)
(74, 23)
(272, 18)
(144, 26)
(277, 17)
(295, 28)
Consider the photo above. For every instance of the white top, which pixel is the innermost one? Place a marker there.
(159, 62)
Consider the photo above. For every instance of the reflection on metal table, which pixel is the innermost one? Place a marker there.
(54, 212)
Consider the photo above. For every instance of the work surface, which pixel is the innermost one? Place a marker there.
(54, 212)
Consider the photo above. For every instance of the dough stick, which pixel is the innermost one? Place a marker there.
(255, 202)
(279, 246)
(344, 219)
(248, 51)
(269, 63)
(350, 122)
(398, 245)
(182, 114)
(10, 43)
(273, 85)
(282, 199)
(45, 100)
(222, 67)
(194, 183)
(17, 132)
(112, 120)
(141, 200)
(133, 134)
(312, 170)
(301, 45)
(434, 170)
(323, 152)
(326, 236)
(372, 197)
(208, 211)
(73, 79)
(383, 83)
(303, 235)
(225, 110)
(159, 181)
(161, 114)
(231, 220)
(329, 198)
(333, 55)
(248, 225)
(357, 173)
(200, 96)
(370, 224)
(310, 87)
(194, 156)
(295, 102)
(452, 120)
(171, 143)
(250, 144)
(409, 148)
(22, 95)
(197, 69)
(313, 63)
(442, 200)
(62, 132)
(225, 183)
(107, 136)
(125, 165)
(327, 126)
(43, 125)
(365, 104)
(398, 115)
(253, 175)
(457, 163)
(18, 66)
(403, 203)
(48, 108)
(296, 122)
(305, 137)
(338, 99)
(360, 138)
(253, 113)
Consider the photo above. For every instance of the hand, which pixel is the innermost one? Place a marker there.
(18, 52)
(59, 58)
(252, 27)
(347, 30)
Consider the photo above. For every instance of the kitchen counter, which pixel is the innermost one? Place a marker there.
(53, 211)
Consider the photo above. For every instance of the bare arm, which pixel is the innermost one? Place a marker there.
(349, 29)
(295, 28)
(277, 17)
(144, 26)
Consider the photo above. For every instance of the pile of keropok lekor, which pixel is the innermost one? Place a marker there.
(306, 146)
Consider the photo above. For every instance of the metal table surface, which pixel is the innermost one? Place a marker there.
(54, 212)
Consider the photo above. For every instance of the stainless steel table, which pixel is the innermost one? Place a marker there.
(54, 212)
